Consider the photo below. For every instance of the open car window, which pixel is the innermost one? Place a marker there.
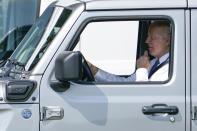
(111, 45)
(114, 47)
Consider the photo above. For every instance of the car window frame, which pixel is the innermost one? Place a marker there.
(74, 40)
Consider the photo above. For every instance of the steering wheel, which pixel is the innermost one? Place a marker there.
(87, 73)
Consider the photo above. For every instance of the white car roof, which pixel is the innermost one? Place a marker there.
(131, 4)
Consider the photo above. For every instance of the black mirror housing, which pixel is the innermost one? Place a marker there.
(68, 66)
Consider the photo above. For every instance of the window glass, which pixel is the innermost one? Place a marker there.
(17, 16)
(63, 17)
(40, 36)
(11, 40)
(31, 40)
(111, 45)
(17, 13)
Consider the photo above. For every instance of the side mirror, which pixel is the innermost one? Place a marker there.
(68, 66)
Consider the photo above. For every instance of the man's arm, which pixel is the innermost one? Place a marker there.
(143, 64)
(103, 76)
(93, 68)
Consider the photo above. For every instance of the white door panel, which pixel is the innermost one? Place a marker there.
(118, 107)
(194, 63)
(11, 116)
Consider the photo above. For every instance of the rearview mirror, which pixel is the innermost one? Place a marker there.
(68, 66)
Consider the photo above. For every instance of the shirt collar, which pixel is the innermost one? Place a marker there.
(164, 58)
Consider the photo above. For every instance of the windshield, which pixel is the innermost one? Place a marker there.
(11, 40)
(38, 39)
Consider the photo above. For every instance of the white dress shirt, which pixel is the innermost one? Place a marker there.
(141, 74)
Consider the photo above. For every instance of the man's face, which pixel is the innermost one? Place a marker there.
(158, 42)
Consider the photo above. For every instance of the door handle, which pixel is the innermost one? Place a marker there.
(52, 113)
(160, 109)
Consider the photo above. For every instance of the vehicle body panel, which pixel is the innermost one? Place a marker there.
(134, 4)
(118, 106)
(192, 3)
(188, 107)
(12, 117)
(193, 66)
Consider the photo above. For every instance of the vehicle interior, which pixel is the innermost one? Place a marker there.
(141, 47)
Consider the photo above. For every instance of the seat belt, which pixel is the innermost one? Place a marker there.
(158, 67)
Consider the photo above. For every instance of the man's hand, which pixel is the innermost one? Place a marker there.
(93, 68)
(144, 61)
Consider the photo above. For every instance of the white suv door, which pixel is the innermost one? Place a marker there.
(116, 106)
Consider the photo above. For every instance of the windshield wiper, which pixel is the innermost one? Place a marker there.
(13, 63)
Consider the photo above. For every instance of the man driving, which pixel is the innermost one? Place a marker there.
(158, 41)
